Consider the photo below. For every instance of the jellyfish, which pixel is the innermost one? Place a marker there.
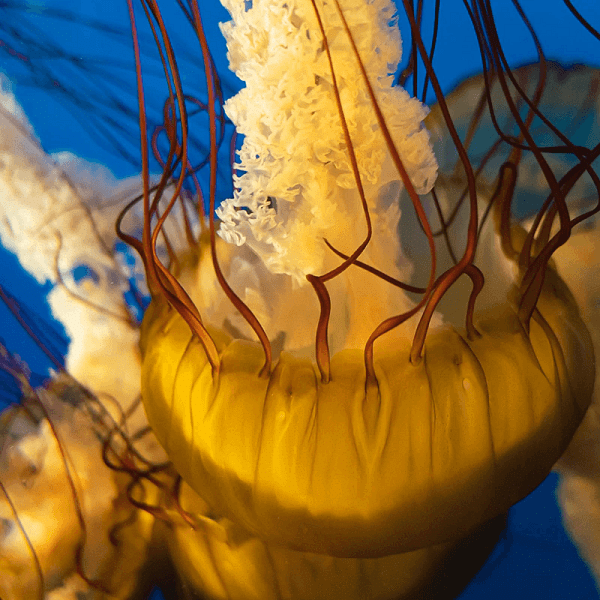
(354, 365)
(71, 439)
(313, 463)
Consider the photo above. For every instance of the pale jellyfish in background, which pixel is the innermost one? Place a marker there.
(579, 468)
(69, 527)
(104, 269)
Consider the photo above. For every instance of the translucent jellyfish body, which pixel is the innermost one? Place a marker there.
(351, 430)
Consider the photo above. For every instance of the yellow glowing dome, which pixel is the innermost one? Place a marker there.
(434, 451)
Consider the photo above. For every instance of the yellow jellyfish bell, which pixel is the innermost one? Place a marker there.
(350, 430)
(336, 469)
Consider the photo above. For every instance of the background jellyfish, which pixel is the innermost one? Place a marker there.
(549, 596)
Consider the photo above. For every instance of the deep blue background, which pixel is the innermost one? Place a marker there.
(536, 559)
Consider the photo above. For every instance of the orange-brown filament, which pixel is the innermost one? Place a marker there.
(160, 281)
(388, 324)
(478, 281)
(321, 343)
(357, 263)
(450, 276)
(502, 197)
(235, 300)
(384, 327)
(34, 556)
(322, 346)
(529, 291)
(66, 462)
